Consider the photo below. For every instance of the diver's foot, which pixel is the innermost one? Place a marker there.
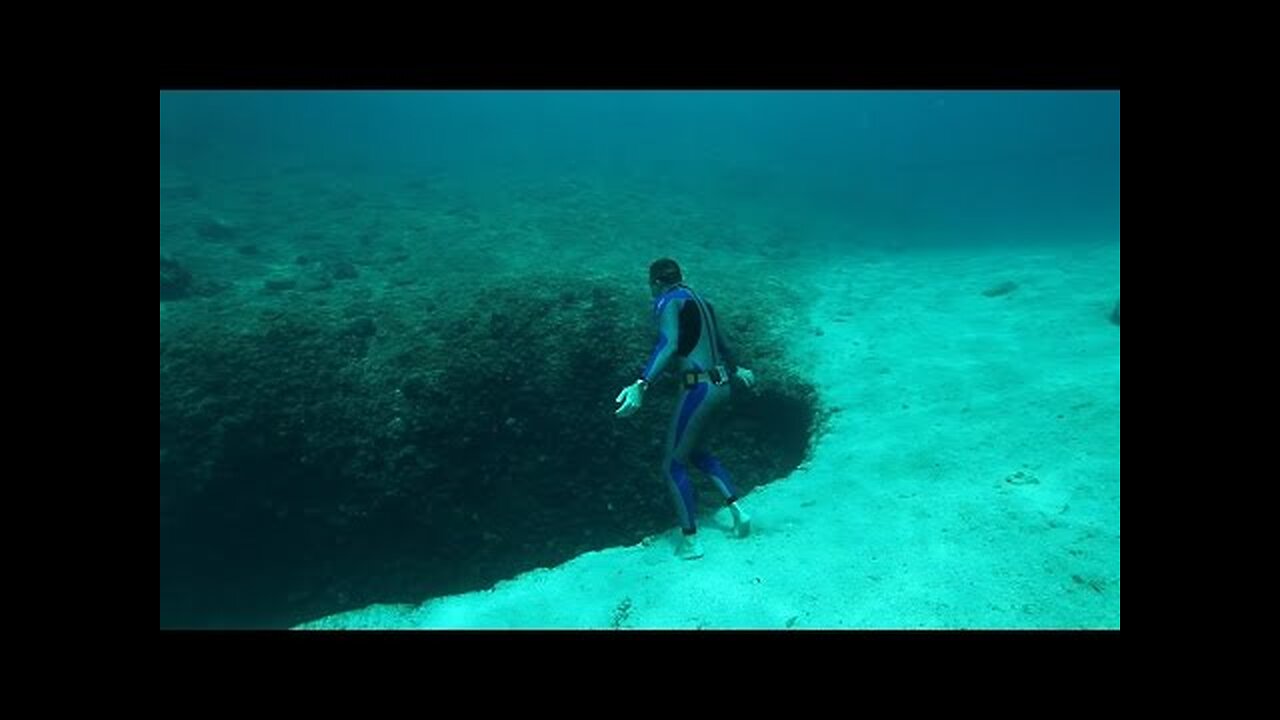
(741, 521)
(690, 548)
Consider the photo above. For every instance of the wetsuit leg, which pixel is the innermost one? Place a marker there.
(707, 463)
(695, 409)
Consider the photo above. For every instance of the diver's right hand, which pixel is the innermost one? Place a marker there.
(748, 377)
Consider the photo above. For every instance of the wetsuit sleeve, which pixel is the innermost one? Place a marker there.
(668, 341)
(726, 351)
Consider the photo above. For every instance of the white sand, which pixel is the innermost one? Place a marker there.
(905, 516)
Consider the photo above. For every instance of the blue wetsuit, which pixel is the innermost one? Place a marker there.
(691, 342)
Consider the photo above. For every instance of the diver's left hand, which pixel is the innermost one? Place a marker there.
(631, 397)
(748, 378)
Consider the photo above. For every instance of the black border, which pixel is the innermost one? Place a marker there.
(1000, 664)
(1014, 72)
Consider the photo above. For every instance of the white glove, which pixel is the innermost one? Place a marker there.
(748, 377)
(631, 397)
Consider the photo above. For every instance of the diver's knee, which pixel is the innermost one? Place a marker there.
(700, 458)
(678, 465)
(706, 462)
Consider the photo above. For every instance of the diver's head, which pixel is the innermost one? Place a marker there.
(663, 274)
